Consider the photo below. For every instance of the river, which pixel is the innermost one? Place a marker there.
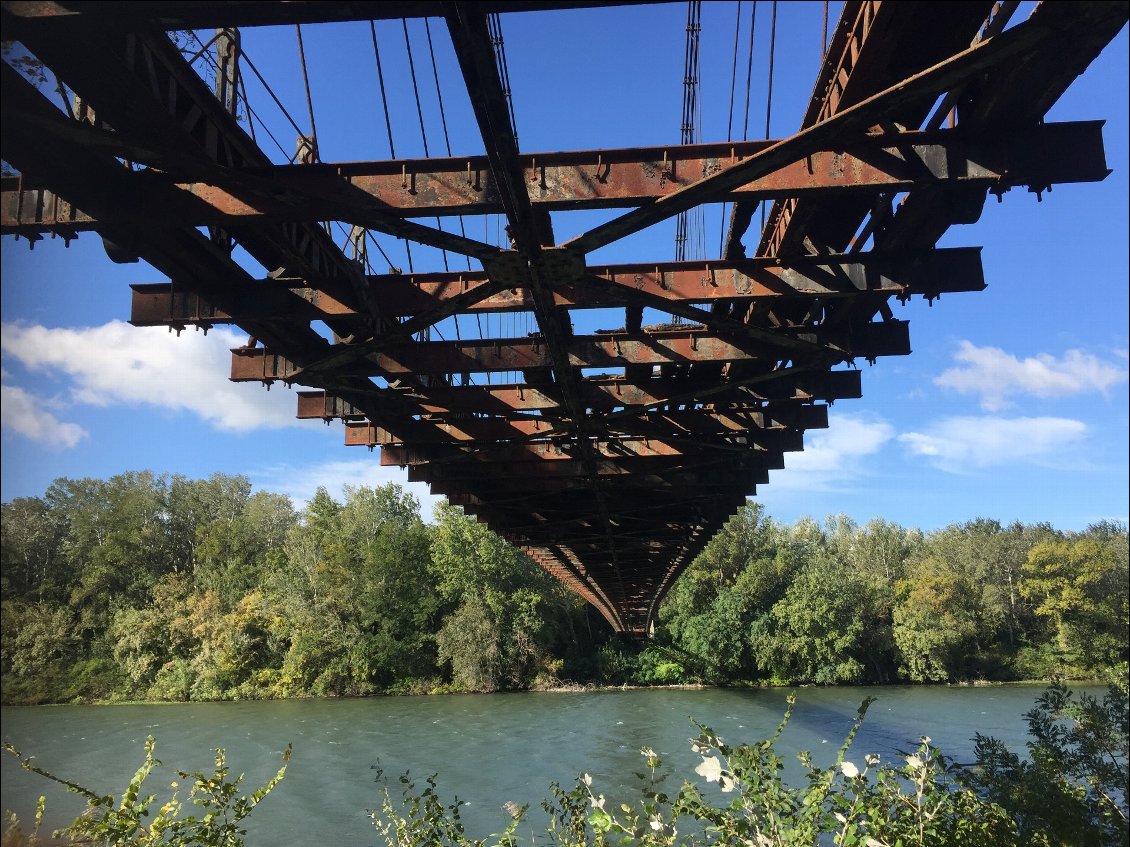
(488, 749)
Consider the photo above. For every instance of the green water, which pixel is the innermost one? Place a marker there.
(488, 749)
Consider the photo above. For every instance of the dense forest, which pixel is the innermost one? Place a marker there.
(166, 588)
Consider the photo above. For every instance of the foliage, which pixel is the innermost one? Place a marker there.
(741, 798)
(123, 822)
(1072, 792)
(420, 818)
(167, 588)
(818, 631)
(933, 626)
(1081, 587)
(1072, 789)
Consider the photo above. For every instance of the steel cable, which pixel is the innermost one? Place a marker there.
(730, 119)
(388, 127)
(769, 88)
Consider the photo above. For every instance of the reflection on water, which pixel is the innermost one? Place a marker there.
(488, 749)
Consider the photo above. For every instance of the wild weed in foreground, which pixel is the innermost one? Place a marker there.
(1071, 791)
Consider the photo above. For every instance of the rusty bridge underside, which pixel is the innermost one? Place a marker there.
(612, 482)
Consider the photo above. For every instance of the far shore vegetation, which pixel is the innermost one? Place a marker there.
(159, 588)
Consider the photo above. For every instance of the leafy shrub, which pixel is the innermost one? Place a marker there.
(109, 823)
(1072, 790)
(918, 802)
(1073, 793)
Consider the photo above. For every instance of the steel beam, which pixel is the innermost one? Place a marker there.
(1043, 155)
(619, 350)
(926, 273)
(783, 440)
(600, 395)
(656, 424)
(50, 16)
(1024, 39)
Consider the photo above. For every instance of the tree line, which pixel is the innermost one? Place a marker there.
(167, 588)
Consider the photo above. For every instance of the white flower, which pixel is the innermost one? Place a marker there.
(647, 752)
(656, 823)
(840, 817)
(587, 779)
(849, 770)
(871, 759)
(915, 762)
(597, 803)
(727, 782)
(926, 739)
(710, 769)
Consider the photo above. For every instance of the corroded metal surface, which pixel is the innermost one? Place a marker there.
(612, 456)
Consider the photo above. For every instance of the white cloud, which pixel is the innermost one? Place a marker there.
(833, 456)
(301, 482)
(119, 364)
(962, 443)
(995, 374)
(22, 413)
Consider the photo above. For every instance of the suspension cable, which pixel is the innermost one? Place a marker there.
(824, 37)
(690, 97)
(730, 119)
(415, 88)
(252, 114)
(420, 114)
(749, 70)
(317, 155)
(447, 144)
(388, 126)
(494, 28)
(384, 255)
(769, 87)
(270, 91)
(247, 105)
(443, 120)
(425, 333)
(494, 25)
(384, 95)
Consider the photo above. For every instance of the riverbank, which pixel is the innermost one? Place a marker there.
(588, 688)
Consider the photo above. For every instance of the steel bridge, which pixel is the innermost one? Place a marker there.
(611, 481)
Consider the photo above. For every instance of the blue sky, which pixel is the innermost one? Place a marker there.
(1013, 404)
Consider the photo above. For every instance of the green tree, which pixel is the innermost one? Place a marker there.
(31, 536)
(475, 567)
(970, 573)
(471, 641)
(825, 629)
(934, 628)
(1081, 587)
(737, 577)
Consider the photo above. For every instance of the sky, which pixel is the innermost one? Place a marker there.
(1012, 406)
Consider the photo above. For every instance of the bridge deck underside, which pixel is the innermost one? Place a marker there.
(612, 482)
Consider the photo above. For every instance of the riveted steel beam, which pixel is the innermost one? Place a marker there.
(783, 440)
(1047, 154)
(614, 351)
(602, 396)
(927, 273)
(1023, 39)
(50, 16)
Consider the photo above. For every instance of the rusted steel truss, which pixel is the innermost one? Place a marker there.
(610, 457)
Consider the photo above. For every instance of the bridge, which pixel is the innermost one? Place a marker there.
(610, 457)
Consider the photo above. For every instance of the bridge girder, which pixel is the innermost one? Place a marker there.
(611, 481)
